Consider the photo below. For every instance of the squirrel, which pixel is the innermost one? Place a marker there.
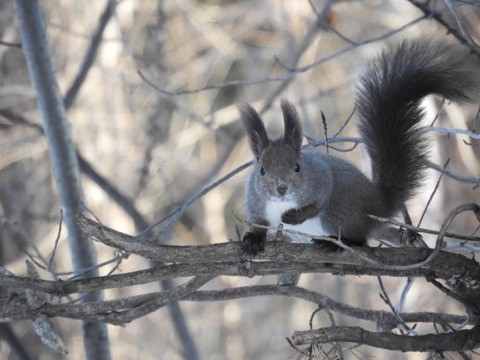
(323, 195)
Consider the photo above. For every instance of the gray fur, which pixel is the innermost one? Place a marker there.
(334, 191)
(388, 100)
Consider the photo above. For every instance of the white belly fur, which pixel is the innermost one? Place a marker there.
(274, 211)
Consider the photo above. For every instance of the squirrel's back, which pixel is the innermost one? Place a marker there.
(388, 101)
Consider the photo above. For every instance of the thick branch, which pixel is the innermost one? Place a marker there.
(462, 340)
(217, 262)
(303, 257)
(383, 319)
(118, 311)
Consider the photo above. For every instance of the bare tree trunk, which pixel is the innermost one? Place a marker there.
(64, 161)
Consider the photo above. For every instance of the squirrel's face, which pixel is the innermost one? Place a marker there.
(278, 174)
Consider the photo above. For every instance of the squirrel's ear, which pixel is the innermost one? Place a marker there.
(253, 124)
(293, 129)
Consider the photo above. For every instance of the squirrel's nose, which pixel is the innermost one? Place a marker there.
(281, 187)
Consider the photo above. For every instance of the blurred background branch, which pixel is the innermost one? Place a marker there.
(64, 162)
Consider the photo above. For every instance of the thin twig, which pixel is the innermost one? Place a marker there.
(10, 44)
(177, 213)
(325, 131)
(57, 239)
(437, 16)
(461, 25)
(89, 58)
(433, 193)
(424, 230)
(384, 296)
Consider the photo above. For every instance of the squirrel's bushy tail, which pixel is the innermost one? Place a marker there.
(388, 101)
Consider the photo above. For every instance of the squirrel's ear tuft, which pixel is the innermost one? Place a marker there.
(293, 135)
(253, 124)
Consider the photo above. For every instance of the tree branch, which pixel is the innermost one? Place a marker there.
(294, 256)
(37, 53)
(456, 341)
(118, 312)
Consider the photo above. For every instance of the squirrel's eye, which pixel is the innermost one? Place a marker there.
(262, 171)
(297, 168)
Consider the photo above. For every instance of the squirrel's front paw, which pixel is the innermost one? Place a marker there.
(253, 243)
(292, 217)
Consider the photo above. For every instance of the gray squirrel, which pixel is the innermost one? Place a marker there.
(323, 195)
